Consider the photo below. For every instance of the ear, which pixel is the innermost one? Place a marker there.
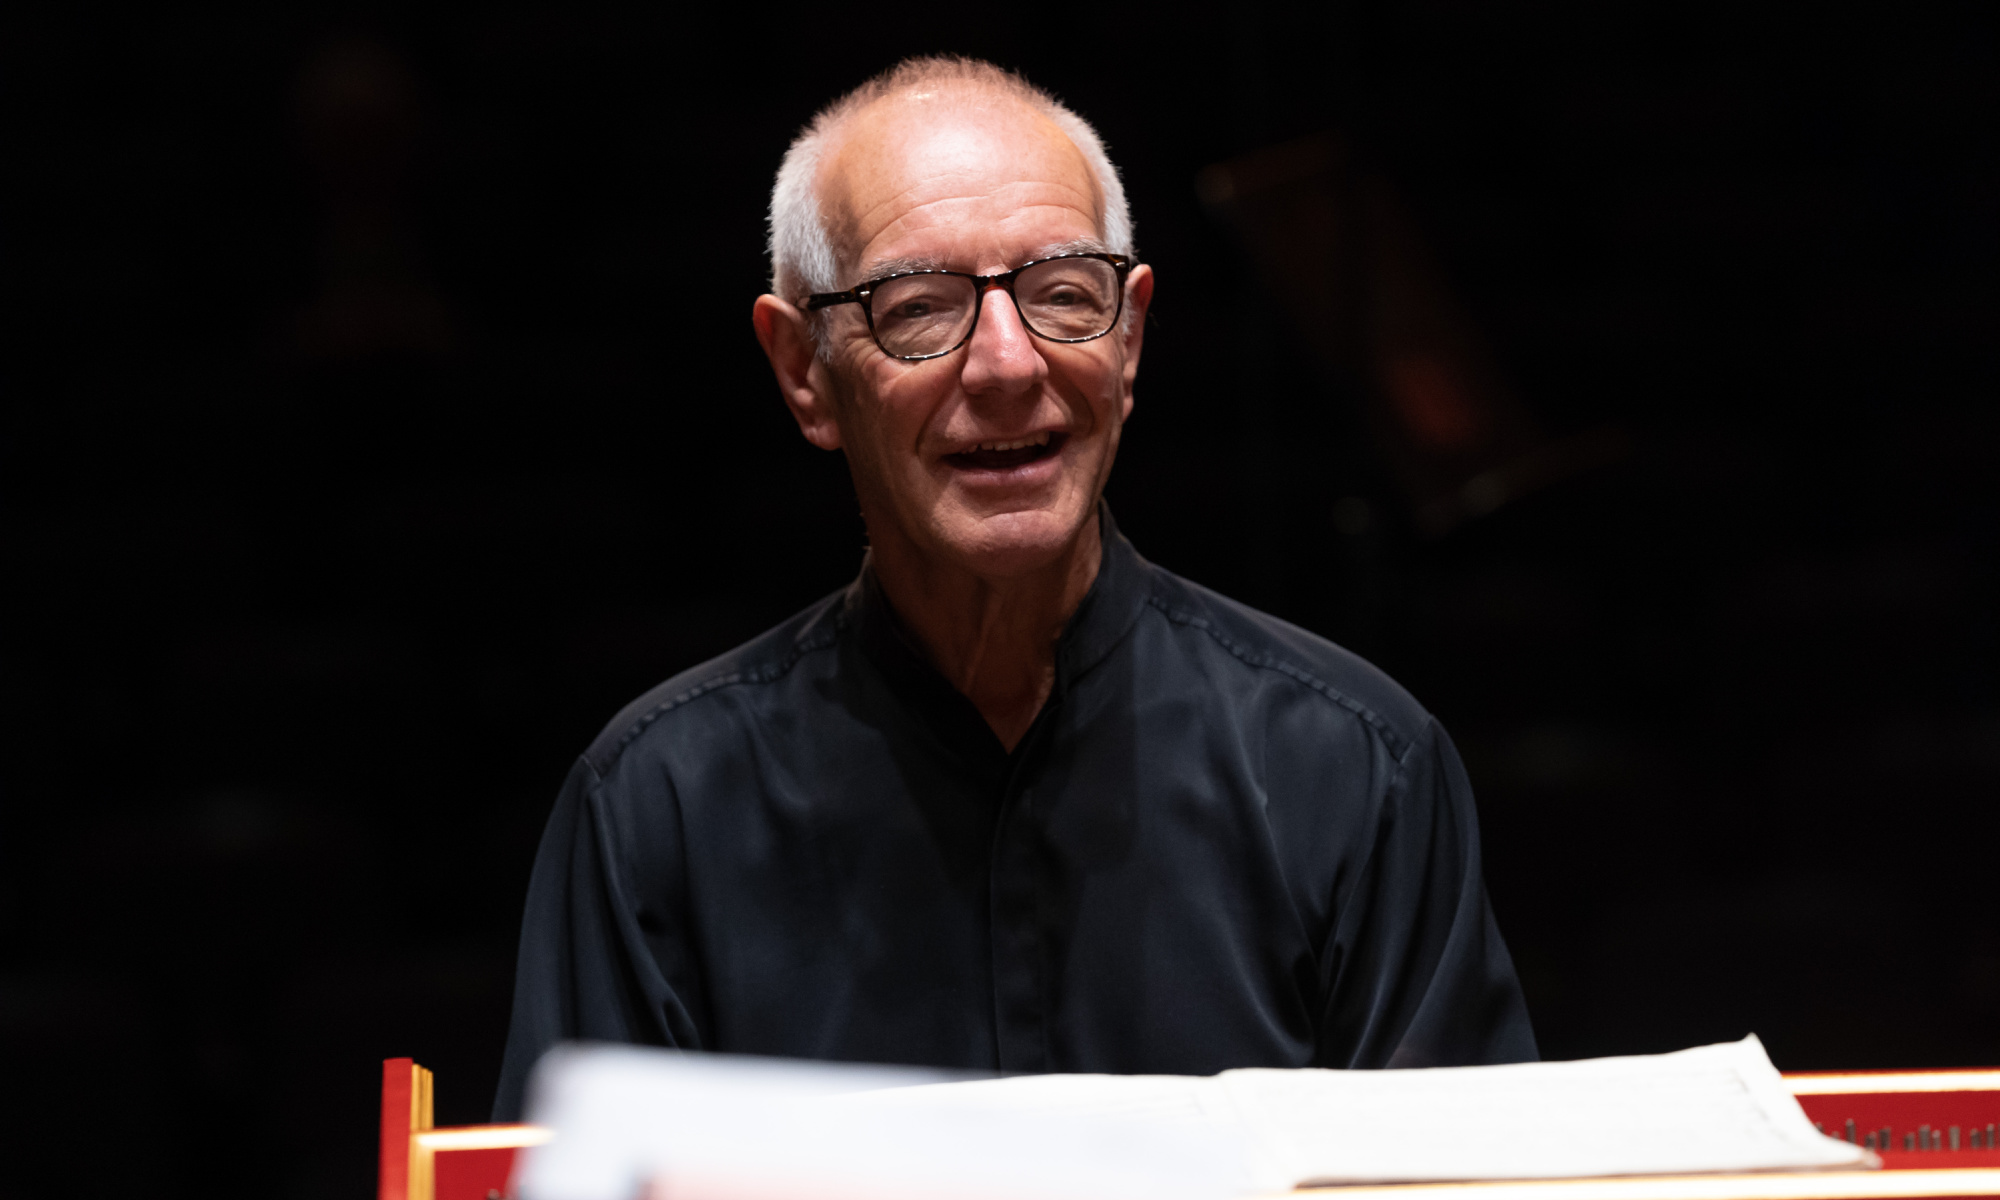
(1138, 298)
(802, 377)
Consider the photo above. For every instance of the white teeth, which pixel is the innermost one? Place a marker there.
(1040, 439)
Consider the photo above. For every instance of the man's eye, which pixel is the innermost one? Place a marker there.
(911, 310)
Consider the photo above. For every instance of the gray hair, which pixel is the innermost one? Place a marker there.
(803, 257)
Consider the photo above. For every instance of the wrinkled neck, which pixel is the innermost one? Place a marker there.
(994, 640)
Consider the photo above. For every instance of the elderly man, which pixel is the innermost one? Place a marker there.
(1015, 798)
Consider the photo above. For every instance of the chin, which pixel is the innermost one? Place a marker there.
(1000, 545)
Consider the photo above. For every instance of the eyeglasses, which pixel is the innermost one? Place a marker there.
(915, 315)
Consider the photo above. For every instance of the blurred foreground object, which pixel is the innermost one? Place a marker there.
(715, 1126)
(709, 1126)
(419, 1162)
(1377, 318)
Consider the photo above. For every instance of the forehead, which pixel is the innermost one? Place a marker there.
(974, 180)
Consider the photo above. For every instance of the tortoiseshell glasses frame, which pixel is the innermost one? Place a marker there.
(864, 295)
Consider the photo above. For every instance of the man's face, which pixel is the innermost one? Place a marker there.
(992, 457)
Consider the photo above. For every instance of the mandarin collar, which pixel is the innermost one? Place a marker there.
(1102, 620)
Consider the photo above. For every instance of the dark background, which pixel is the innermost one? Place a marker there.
(383, 414)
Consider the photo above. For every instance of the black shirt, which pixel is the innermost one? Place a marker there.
(1224, 842)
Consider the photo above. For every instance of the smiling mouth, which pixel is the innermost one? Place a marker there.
(1008, 455)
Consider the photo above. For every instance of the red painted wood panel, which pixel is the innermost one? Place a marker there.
(474, 1174)
(1905, 1113)
(398, 1077)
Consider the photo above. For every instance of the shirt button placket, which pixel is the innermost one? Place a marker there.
(1019, 1017)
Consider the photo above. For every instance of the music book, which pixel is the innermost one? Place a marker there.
(702, 1126)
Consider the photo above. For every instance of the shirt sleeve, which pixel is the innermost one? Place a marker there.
(596, 956)
(1420, 975)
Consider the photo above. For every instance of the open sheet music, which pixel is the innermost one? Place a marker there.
(840, 1131)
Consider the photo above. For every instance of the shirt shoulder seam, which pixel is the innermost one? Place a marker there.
(766, 672)
(1398, 744)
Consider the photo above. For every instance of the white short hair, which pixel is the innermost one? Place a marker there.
(803, 256)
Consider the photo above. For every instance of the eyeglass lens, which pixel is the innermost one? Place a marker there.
(1064, 298)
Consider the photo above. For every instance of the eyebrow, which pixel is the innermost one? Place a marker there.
(897, 266)
(883, 268)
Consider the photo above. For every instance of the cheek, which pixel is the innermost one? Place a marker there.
(894, 406)
(1097, 380)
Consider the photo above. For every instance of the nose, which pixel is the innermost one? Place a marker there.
(1002, 357)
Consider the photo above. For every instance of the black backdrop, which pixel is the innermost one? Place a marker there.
(383, 414)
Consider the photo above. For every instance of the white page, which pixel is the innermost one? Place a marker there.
(1714, 1108)
(1177, 1100)
(711, 1127)
(716, 1128)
